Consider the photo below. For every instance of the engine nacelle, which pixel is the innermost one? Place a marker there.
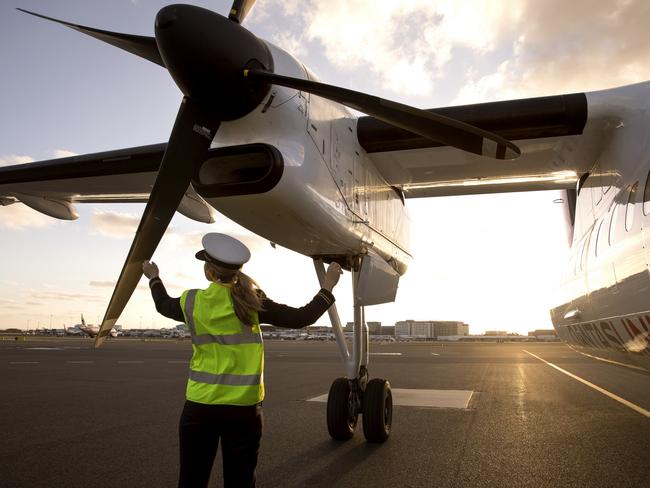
(59, 209)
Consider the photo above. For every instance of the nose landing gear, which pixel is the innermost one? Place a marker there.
(355, 394)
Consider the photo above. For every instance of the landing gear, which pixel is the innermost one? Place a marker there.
(355, 394)
(341, 410)
(377, 410)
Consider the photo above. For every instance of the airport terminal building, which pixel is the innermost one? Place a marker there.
(430, 329)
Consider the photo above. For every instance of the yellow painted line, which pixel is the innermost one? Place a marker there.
(611, 395)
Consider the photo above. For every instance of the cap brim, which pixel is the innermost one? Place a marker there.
(203, 255)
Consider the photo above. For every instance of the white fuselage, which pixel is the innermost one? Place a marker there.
(604, 300)
(330, 201)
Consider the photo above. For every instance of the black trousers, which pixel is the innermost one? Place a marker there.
(201, 426)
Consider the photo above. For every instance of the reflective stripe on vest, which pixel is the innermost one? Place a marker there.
(226, 379)
(226, 368)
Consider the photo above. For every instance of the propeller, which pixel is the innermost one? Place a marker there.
(240, 9)
(184, 43)
(206, 55)
(142, 46)
(433, 126)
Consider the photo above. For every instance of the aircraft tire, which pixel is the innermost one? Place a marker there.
(377, 410)
(339, 424)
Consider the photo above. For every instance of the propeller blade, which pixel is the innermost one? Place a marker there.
(240, 9)
(142, 46)
(427, 124)
(188, 144)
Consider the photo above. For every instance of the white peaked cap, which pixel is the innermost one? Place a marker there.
(224, 251)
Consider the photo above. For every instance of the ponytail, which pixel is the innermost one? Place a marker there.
(246, 296)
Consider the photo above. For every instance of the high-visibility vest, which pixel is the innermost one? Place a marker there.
(227, 365)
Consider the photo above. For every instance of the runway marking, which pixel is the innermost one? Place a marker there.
(130, 362)
(79, 362)
(44, 349)
(178, 362)
(611, 395)
(385, 353)
(24, 362)
(435, 354)
(423, 398)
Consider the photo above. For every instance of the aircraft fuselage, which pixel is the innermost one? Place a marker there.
(604, 299)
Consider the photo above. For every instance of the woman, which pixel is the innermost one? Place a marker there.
(225, 388)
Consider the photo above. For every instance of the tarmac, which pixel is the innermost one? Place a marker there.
(72, 416)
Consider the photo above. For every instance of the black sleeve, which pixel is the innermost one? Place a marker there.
(288, 317)
(165, 305)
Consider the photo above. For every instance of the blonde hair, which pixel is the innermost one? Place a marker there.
(246, 295)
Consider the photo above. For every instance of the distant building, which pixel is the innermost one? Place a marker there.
(374, 328)
(387, 330)
(430, 328)
(544, 334)
(496, 333)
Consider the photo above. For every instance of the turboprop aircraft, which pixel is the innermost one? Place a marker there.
(259, 139)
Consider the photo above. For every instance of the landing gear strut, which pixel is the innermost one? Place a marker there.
(355, 394)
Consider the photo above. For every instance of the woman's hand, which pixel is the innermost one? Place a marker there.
(150, 269)
(332, 276)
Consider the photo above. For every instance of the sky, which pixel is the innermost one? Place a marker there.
(492, 261)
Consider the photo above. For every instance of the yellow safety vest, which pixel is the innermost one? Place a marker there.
(227, 365)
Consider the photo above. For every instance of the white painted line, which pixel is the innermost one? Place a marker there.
(423, 398)
(611, 395)
(435, 354)
(385, 353)
(24, 362)
(130, 362)
(178, 362)
(79, 362)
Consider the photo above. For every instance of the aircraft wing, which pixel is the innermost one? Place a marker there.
(125, 175)
(558, 139)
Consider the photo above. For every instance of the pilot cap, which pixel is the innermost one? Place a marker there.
(223, 250)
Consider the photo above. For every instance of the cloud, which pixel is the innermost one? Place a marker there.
(50, 295)
(114, 224)
(103, 284)
(405, 46)
(64, 153)
(19, 216)
(111, 284)
(560, 49)
(11, 159)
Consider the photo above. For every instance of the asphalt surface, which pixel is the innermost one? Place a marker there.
(71, 416)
